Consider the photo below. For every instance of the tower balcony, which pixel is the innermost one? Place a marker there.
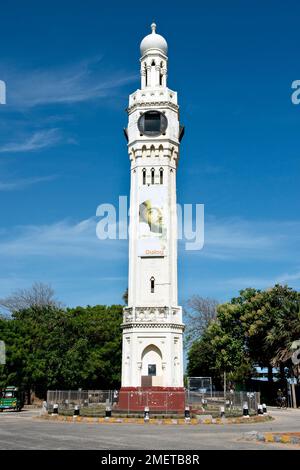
(149, 96)
(149, 315)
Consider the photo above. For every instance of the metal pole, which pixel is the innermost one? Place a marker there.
(294, 395)
(290, 396)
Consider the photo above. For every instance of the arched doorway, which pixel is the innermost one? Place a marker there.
(151, 361)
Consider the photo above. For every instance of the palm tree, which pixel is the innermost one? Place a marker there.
(284, 335)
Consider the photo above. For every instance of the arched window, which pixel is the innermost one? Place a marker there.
(144, 175)
(152, 175)
(161, 73)
(152, 284)
(161, 176)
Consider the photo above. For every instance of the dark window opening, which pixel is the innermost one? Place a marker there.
(152, 284)
(161, 74)
(152, 122)
(144, 176)
(152, 369)
(152, 176)
(161, 176)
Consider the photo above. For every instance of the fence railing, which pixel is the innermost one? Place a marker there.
(233, 402)
(68, 399)
(95, 402)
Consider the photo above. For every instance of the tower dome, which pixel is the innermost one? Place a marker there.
(153, 41)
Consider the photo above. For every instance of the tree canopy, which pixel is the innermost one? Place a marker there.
(255, 328)
(54, 348)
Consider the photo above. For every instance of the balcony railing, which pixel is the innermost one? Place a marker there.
(151, 315)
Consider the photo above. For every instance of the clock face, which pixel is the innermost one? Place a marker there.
(152, 123)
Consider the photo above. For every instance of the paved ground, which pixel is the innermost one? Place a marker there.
(24, 431)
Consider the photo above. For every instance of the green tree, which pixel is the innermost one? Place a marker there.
(220, 349)
(255, 328)
(49, 347)
(270, 320)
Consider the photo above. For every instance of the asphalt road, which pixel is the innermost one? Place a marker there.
(24, 431)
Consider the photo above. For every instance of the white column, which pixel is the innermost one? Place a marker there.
(143, 78)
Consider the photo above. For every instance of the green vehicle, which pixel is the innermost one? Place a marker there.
(11, 399)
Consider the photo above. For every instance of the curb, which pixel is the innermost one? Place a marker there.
(282, 438)
(156, 421)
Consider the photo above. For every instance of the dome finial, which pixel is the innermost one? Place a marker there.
(154, 41)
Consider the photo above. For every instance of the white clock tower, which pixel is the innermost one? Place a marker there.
(152, 324)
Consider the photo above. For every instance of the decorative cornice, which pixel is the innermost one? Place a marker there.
(149, 104)
(143, 325)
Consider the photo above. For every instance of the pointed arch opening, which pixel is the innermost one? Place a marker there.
(161, 73)
(152, 176)
(161, 176)
(151, 361)
(161, 151)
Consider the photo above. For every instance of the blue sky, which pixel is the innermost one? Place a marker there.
(69, 68)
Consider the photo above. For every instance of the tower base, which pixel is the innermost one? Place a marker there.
(157, 399)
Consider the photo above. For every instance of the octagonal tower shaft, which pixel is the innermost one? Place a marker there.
(152, 325)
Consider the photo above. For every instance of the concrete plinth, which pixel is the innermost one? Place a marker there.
(158, 399)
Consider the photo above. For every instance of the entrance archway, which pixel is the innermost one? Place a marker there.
(152, 361)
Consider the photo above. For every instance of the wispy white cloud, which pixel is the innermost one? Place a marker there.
(260, 282)
(70, 252)
(81, 268)
(61, 239)
(238, 239)
(207, 169)
(288, 277)
(73, 83)
(38, 140)
(23, 183)
(230, 240)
